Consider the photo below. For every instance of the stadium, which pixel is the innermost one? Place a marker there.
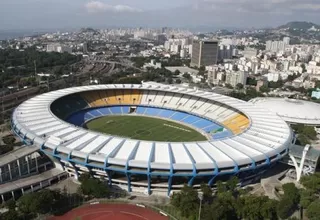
(153, 138)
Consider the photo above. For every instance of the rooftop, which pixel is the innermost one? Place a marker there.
(291, 110)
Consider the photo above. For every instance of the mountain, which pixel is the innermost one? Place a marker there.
(301, 25)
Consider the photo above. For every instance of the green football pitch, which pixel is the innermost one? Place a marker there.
(145, 128)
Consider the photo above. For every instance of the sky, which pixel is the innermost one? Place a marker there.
(216, 14)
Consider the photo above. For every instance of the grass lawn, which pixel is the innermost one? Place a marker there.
(144, 128)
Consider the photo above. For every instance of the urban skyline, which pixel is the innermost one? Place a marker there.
(190, 13)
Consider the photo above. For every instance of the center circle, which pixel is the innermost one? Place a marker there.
(143, 132)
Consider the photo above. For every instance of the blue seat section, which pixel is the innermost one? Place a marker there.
(203, 123)
(104, 111)
(115, 110)
(125, 109)
(140, 110)
(178, 116)
(212, 127)
(166, 113)
(152, 111)
(95, 113)
(77, 118)
(191, 119)
(222, 134)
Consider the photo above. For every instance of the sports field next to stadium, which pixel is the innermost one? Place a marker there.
(145, 128)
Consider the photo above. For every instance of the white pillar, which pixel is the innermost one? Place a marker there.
(299, 168)
(12, 192)
(28, 166)
(19, 168)
(9, 167)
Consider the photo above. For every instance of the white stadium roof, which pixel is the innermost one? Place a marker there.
(291, 110)
(267, 136)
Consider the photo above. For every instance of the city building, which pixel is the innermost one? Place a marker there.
(250, 52)
(316, 94)
(59, 48)
(234, 78)
(204, 53)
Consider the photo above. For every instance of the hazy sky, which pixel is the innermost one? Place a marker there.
(48, 14)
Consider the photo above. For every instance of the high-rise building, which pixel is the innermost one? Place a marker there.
(204, 53)
(234, 78)
(250, 52)
(286, 40)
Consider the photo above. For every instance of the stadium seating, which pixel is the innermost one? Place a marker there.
(140, 110)
(237, 123)
(222, 134)
(166, 113)
(116, 110)
(152, 111)
(233, 121)
(67, 105)
(178, 116)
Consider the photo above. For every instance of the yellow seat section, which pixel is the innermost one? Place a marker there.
(126, 97)
(237, 123)
(98, 100)
(104, 97)
(89, 98)
(112, 99)
(136, 97)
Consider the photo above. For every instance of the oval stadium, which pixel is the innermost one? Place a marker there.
(153, 138)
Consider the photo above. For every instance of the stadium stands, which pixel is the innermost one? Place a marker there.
(69, 104)
(179, 104)
(210, 127)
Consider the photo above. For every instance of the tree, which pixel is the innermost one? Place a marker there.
(178, 81)
(291, 191)
(170, 80)
(257, 207)
(285, 208)
(307, 196)
(311, 182)
(239, 86)
(264, 89)
(222, 208)
(186, 76)
(313, 210)
(186, 201)
(207, 193)
(93, 187)
(177, 72)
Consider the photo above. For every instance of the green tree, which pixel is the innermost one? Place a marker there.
(257, 207)
(94, 187)
(311, 182)
(307, 196)
(285, 208)
(207, 193)
(313, 210)
(186, 201)
(239, 86)
(292, 192)
(222, 208)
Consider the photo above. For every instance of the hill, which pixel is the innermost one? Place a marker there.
(301, 25)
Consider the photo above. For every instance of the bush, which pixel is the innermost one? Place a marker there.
(5, 149)
(9, 140)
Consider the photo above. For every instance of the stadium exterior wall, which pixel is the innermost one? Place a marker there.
(147, 178)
